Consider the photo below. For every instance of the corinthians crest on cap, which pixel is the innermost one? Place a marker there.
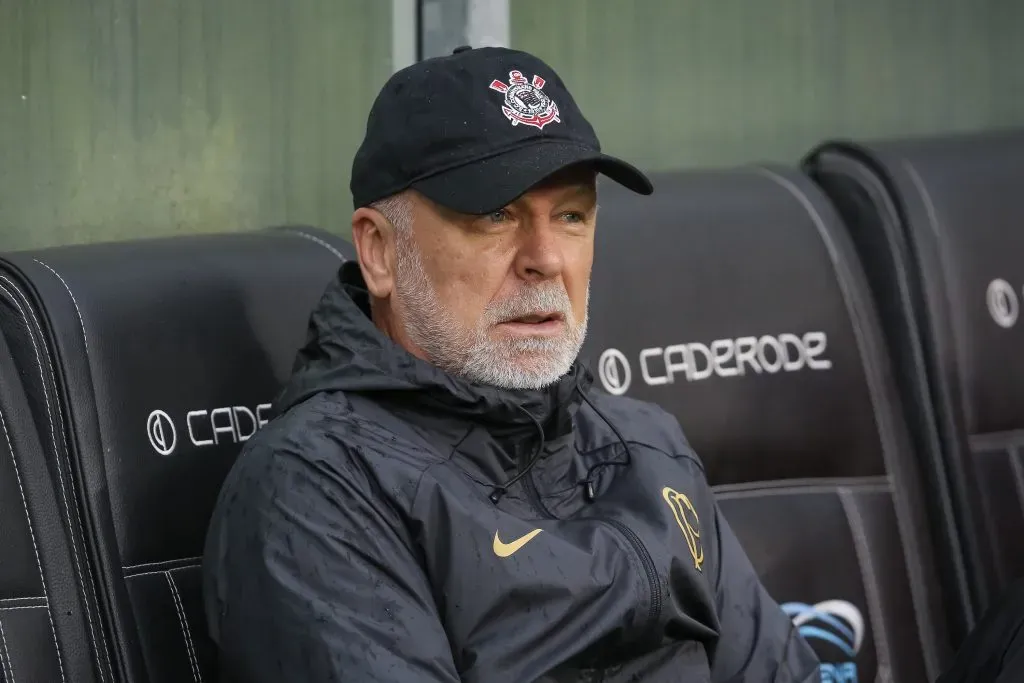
(525, 101)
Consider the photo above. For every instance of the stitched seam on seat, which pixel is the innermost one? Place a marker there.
(162, 571)
(57, 450)
(5, 657)
(162, 564)
(321, 242)
(16, 607)
(185, 632)
(824, 483)
(994, 441)
(867, 571)
(90, 582)
(60, 475)
(880, 487)
(74, 301)
(4, 601)
(35, 548)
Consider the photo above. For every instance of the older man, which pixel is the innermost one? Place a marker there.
(442, 496)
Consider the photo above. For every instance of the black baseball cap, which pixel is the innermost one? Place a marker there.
(474, 130)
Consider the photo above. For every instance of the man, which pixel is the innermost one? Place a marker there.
(442, 496)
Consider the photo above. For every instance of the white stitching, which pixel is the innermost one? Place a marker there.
(60, 418)
(4, 601)
(11, 609)
(35, 548)
(321, 242)
(81, 321)
(162, 571)
(8, 663)
(5, 658)
(162, 564)
(57, 451)
(184, 628)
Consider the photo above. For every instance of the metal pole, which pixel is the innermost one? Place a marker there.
(447, 24)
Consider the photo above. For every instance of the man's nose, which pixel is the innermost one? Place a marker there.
(540, 254)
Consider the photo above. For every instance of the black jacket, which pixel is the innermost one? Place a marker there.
(394, 523)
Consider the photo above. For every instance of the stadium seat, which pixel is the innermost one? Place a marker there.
(131, 374)
(733, 299)
(939, 225)
(32, 607)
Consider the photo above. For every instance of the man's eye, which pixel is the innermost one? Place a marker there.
(499, 216)
(574, 216)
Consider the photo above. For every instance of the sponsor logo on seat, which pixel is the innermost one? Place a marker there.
(836, 627)
(1003, 303)
(162, 434)
(205, 427)
(695, 361)
(614, 371)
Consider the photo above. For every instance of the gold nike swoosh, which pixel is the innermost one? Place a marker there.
(507, 549)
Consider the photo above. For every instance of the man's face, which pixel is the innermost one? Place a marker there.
(500, 299)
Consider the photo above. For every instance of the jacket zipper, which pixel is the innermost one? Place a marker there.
(648, 563)
(638, 547)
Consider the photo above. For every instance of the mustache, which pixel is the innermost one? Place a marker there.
(547, 299)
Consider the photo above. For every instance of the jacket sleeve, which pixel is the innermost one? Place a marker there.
(317, 581)
(758, 641)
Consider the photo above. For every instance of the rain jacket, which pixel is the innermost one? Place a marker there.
(396, 524)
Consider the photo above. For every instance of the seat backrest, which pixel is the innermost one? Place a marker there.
(32, 602)
(142, 367)
(732, 299)
(939, 224)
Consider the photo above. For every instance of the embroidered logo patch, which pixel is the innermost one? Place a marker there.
(686, 518)
(525, 101)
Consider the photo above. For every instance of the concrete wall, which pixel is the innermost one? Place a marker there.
(125, 118)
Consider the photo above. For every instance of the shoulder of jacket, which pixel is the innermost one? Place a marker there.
(638, 422)
(328, 428)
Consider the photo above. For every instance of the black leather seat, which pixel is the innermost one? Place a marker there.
(939, 224)
(734, 300)
(30, 605)
(131, 373)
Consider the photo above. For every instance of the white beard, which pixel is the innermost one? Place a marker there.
(472, 353)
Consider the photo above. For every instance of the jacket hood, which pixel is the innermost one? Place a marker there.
(345, 351)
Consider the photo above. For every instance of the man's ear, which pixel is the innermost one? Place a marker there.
(374, 240)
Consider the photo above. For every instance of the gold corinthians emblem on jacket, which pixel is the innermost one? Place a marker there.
(689, 524)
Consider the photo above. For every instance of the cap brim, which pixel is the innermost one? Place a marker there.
(487, 185)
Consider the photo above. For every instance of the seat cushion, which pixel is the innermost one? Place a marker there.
(834, 552)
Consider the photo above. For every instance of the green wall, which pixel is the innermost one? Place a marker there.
(673, 83)
(124, 118)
